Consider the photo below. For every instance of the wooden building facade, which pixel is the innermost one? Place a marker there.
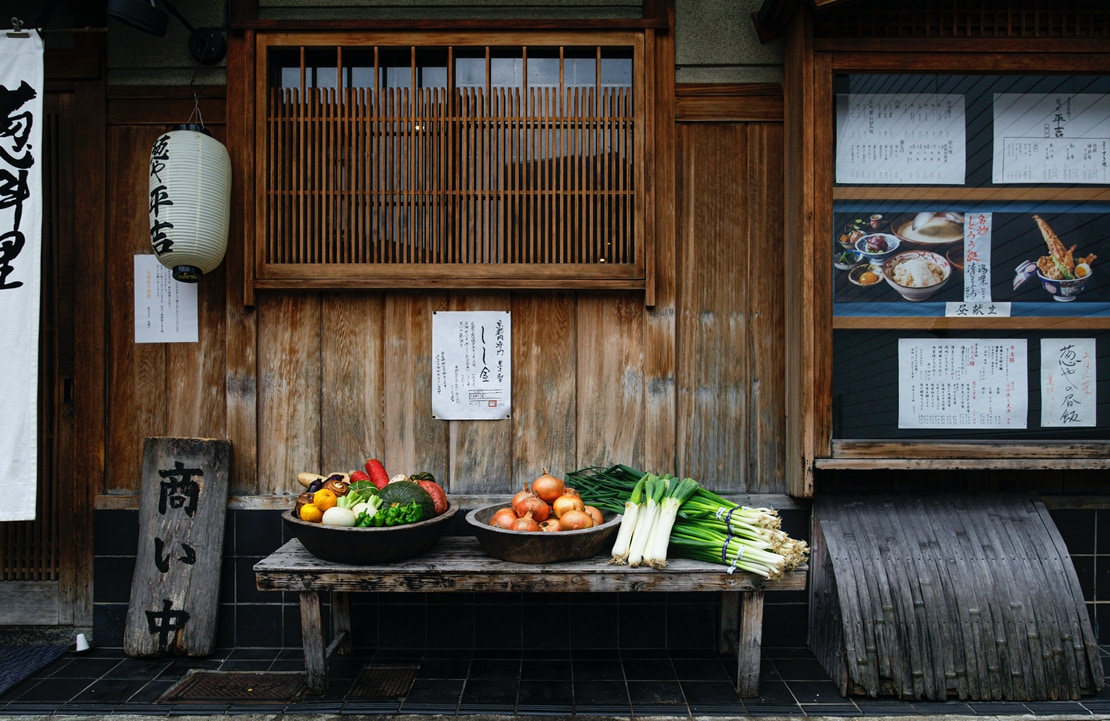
(714, 361)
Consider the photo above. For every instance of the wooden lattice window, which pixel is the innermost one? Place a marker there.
(427, 160)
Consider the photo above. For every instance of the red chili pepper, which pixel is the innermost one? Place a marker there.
(376, 471)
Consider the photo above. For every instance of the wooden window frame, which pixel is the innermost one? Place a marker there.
(337, 273)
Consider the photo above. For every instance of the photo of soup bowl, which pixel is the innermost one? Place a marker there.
(917, 274)
(1066, 290)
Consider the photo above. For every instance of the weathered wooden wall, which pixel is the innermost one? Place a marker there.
(693, 385)
(160, 389)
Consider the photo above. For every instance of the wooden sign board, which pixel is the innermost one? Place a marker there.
(176, 585)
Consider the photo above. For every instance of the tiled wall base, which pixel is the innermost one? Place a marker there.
(252, 618)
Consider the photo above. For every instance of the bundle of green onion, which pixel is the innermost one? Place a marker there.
(690, 520)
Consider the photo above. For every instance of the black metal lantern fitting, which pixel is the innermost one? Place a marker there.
(207, 45)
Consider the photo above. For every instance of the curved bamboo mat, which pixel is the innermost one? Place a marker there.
(932, 597)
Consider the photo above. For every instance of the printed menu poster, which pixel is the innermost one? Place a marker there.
(1051, 138)
(1068, 382)
(471, 365)
(894, 138)
(165, 309)
(972, 383)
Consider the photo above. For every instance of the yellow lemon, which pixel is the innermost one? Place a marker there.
(310, 513)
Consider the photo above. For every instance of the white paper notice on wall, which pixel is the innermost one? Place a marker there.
(900, 138)
(1051, 138)
(471, 365)
(1068, 383)
(956, 383)
(165, 309)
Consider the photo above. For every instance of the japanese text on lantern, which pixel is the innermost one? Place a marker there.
(159, 198)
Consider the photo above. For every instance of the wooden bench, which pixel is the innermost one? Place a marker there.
(458, 564)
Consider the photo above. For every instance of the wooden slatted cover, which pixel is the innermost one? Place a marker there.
(1081, 19)
(932, 597)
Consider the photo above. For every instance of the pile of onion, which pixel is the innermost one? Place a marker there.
(546, 504)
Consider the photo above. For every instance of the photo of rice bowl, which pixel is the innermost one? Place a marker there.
(917, 274)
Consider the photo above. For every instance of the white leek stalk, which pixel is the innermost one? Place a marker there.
(628, 522)
(645, 523)
(655, 555)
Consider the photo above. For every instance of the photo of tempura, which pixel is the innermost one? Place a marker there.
(1060, 263)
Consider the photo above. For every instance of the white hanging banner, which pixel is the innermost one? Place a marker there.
(21, 89)
(471, 365)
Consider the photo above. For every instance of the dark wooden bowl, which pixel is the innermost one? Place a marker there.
(359, 546)
(540, 547)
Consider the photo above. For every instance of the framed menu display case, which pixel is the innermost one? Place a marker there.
(953, 307)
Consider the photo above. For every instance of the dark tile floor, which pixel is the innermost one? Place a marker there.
(599, 683)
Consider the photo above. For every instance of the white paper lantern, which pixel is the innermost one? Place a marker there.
(190, 201)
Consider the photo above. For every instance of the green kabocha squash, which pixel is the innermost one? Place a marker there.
(405, 492)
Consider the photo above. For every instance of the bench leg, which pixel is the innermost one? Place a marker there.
(341, 623)
(312, 638)
(730, 622)
(749, 644)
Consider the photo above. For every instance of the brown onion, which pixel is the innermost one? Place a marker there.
(575, 520)
(548, 487)
(534, 505)
(503, 518)
(567, 502)
(520, 496)
(595, 514)
(526, 523)
(550, 525)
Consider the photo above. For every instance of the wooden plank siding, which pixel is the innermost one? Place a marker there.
(730, 288)
(172, 389)
(320, 380)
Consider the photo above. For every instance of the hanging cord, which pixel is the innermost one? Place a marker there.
(196, 113)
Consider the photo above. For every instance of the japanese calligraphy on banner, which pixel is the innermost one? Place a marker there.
(895, 138)
(974, 383)
(1068, 382)
(21, 117)
(471, 365)
(1051, 138)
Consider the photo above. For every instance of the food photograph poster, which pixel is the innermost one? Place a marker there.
(957, 258)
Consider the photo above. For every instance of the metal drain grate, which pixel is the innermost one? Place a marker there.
(231, 686)
(383, 682)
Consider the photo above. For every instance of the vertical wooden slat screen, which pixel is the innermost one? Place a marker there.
(1080, 19)
(537, 182)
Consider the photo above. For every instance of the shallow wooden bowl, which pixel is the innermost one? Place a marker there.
(540, 547)
(360, 546)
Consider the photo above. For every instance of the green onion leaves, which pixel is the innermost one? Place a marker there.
(662, 514)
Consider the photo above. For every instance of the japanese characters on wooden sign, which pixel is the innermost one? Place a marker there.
(175, 587)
